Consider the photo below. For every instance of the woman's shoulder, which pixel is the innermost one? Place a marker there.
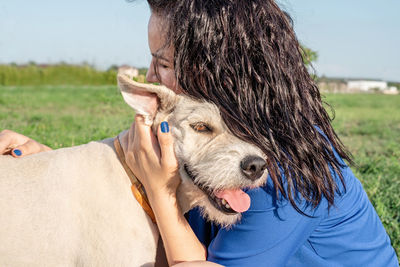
(267, 198)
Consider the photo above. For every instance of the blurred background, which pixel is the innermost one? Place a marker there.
(357, 39)
(58, 62)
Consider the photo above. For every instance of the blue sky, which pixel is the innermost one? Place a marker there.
(354, 39)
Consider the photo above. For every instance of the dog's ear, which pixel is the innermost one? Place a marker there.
(146, 99)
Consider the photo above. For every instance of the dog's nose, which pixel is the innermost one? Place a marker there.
(253, 167)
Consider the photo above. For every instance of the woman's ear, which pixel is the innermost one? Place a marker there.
(146, 99)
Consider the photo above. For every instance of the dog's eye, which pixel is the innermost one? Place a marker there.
(201, 127)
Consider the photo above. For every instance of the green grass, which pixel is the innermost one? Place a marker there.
(368, 124)
(64, 116)
(58, 74)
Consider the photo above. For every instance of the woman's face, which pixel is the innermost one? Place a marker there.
(162, 57)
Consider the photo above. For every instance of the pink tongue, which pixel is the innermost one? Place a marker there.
(237, 199)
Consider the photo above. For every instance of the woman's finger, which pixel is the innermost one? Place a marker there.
(166, 144)
(19, 145)
(145, 137)
(142, 131)
(30, 147)
(129, 138)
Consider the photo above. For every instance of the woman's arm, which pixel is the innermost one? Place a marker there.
(154, 163)
(19, 145)
(180, 242)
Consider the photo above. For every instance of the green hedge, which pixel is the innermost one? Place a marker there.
(60, 74)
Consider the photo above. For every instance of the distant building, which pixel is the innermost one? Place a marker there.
(333, 86)
(366, 86)
(392, 90)
(340, 85)
(128, 70)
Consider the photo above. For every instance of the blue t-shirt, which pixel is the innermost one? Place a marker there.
(273, 233)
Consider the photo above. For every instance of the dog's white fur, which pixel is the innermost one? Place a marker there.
(74, 206)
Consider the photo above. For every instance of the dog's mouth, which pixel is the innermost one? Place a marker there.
(229, 201)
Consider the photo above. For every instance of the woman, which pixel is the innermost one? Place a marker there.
(243, 56)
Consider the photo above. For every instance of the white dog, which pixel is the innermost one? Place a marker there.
(74, 206)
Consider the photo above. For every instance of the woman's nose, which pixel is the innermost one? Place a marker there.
(151, 76)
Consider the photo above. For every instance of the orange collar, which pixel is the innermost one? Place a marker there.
(137, 187)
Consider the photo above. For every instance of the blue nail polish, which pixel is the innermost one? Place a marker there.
(164, 127)
(17, 152)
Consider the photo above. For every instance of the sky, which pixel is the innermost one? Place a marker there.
(354, 39)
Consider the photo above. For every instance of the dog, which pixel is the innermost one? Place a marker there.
(74, 206)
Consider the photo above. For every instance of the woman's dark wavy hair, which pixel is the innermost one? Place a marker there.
(243, 56)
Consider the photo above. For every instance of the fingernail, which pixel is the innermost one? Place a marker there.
(164, 127)
(17, 152)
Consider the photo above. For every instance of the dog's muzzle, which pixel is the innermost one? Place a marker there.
(219, 203)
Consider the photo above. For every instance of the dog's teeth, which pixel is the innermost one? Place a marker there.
(227, 206)
(224, 202)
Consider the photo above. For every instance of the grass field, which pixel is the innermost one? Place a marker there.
(32, 74)
(368, 124)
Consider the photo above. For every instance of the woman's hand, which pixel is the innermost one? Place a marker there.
(154, 163)
(19, 145)
(152, 160)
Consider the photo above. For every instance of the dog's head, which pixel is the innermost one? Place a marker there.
(215, 166)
